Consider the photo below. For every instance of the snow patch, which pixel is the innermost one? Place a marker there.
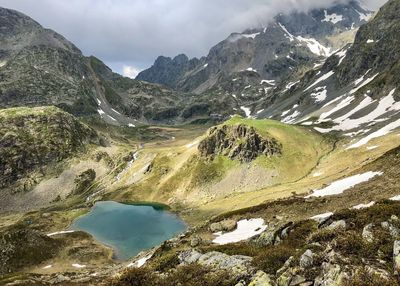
(115, 111)
(333, 18)
(287, 34)
(381, 132)
(317, 174)
(246, 110)
(372, 147)
(341, 54)
(77, 265)
(395, 198)
(140, 262)
(338, 187)
(320, 94)
(112, 118)
(322, 217)
(363, 206)
(245, 229)
(251, 36)
(291, 118)
(60, 232)
(251, 69)
(321, 79)
(364, 83)
(270, 82)
(194, 143)
(315, 47)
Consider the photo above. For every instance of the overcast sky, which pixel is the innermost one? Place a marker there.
(129, 34)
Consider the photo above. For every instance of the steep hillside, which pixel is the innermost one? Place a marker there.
(291, 43)
(32, 138)
(355, 92)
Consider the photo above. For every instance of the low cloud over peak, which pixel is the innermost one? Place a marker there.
(132, 33)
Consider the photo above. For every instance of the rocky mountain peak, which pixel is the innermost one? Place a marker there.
(292, 42)
(238, 142)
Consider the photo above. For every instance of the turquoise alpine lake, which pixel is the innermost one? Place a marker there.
(129, 229)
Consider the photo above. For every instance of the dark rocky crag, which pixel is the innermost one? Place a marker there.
(238, 143)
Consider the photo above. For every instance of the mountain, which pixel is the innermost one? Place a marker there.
(308, 198)
(40, 67)
(291, 43)
(355, 92)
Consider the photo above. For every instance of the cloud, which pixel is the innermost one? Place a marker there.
(135, 32)
(130, 71)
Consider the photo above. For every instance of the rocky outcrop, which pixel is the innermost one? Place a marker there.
(238, 142)
(84, 180)
(238, 265)
(31, 138)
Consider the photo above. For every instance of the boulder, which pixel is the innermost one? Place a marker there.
(267, 238)
(393, 230)
(260, 279)
(307, 259)
(367, 233)
(225, 225)
(195, 241)
(337, 225)
(331, 275)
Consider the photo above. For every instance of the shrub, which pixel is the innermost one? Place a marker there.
(165, 262)
(136, 277)
(323, 235)
(365, 278)
(272, 258)
(240, 248)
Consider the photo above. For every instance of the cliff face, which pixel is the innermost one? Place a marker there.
(238, 143)
(32, 138)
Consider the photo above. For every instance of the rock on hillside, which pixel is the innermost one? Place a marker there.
(238, 142)
(31, 138)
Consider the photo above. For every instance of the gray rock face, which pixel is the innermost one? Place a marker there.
(238, 265)
(238, 143)
(168, 71)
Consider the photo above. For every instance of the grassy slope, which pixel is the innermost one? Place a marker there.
(180, 177)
